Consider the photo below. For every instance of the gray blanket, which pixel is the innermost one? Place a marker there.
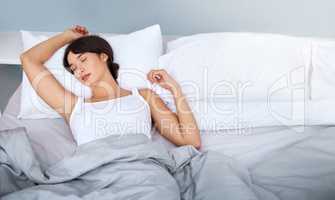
(127, 167)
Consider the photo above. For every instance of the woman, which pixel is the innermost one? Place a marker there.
(90, 59)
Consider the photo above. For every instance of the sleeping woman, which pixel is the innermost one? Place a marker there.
(145, 170)
(90, 59)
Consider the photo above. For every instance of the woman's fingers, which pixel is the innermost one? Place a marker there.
(161, 77)
(153, 76)
(80, 29)
(156, 76)
(150, 76)
(76, 32)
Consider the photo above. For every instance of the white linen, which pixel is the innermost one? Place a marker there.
(220, 115)
(323, 70)
(261, 79)
(136, 53)
(246, 66)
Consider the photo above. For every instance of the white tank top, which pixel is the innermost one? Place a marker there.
(124, 115)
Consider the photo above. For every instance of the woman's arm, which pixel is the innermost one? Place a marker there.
(44, 83)
(180, 128)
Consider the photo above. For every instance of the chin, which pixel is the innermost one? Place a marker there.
(90, 83)
(87, 84)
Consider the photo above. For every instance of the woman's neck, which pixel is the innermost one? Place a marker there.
(107, 88)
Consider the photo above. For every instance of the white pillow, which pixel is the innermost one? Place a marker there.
(136, 53)
(223, 115)
(216, 114)
(323, 70)
(254, 67)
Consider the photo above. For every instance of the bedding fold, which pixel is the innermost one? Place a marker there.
(120, 167)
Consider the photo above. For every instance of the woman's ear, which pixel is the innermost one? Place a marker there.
(104, 57)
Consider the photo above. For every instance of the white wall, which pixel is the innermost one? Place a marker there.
(298, 17)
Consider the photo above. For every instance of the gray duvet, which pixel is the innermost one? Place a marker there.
(126, 167)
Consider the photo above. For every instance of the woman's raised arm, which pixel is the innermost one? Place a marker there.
(43, 82)
(180, 128)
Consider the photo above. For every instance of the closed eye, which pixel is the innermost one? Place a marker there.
(72, 68)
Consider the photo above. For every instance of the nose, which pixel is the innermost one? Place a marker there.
(79, 71)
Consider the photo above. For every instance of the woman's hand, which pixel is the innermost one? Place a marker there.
(180, 127)
(76, 32)
(162, 78)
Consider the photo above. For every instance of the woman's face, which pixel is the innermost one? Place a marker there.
(88, 67)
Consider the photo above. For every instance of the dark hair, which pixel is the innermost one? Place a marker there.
(92, 44)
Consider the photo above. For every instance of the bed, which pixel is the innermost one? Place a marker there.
(280, 162)
(39, 159)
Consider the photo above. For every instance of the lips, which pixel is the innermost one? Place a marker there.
(85, 77)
